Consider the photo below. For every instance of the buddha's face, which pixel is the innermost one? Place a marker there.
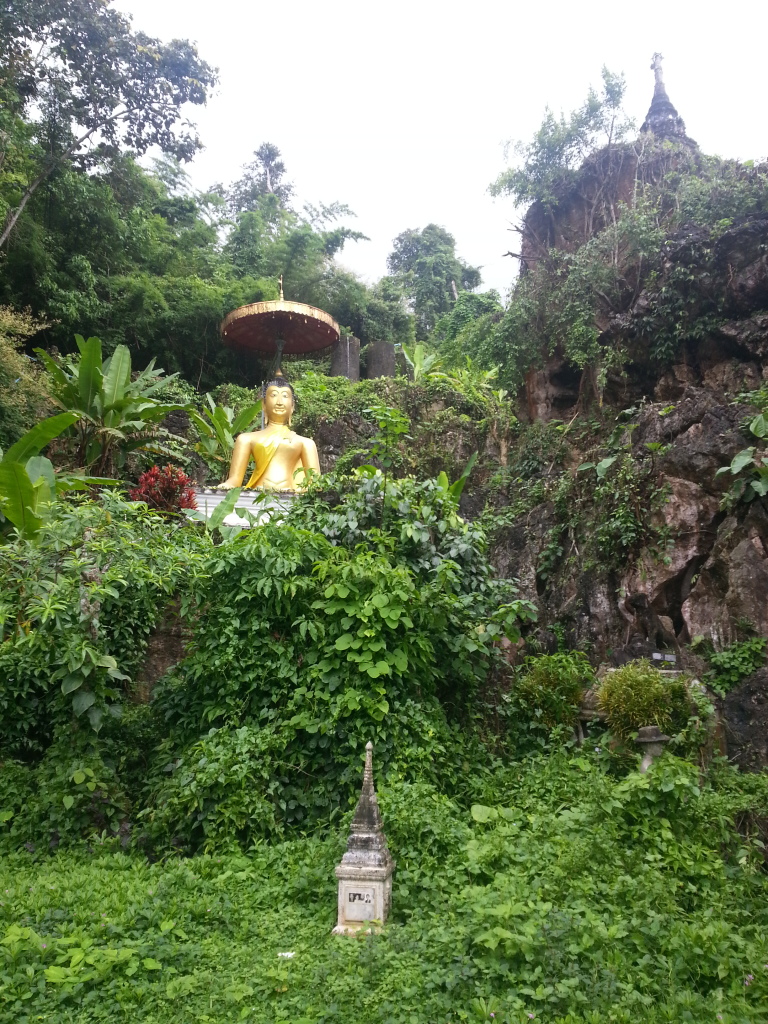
(278, 404)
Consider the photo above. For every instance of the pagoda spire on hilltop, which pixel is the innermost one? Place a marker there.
(662, 118)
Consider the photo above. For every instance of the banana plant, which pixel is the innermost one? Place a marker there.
(115, 413)
(421, 362)
(217, 427)
(470, 380)
(28, 481)
(454, 490)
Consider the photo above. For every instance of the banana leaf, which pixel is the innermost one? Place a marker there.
(245, 418)
(117, 376)
(90, 379)
(38, 437)
(19, 499)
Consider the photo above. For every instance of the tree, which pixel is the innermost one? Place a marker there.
(431, 274)
(90, 81)
(262, 177)
(552, 160)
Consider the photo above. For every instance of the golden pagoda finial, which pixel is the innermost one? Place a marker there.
(282, 297)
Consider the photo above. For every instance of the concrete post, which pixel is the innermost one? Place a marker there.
(380, 360)
(345, 358)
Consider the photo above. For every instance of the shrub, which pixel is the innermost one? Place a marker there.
(166, 490)
(735, 663)
(73, 793)
(76, 609)
(638, 694)
(551, 687)
(23, 383)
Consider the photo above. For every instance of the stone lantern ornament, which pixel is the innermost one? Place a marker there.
(365, 870)
(652, 742)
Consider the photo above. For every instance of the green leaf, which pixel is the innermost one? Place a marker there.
(151, 965)
(483, 814)
(78, 778)
(90, 375)
(33, 442)
(457, 487)
(344, 642)
(71, 683)
(62, 381)
(95, 716)
(245, 418)
(117, 376)
(68, 802)
(223, 509)
(39, 468)
(82, 701)
(759, 425)
(744, 458)
(604, 465)
(18, 499)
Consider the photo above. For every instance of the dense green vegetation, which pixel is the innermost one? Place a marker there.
(566, 895)
(168, 837)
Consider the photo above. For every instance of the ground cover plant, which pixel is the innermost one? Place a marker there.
(564, 895)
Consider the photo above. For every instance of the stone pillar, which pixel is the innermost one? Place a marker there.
(365, 871)
(380, 360)
(651, 741)
(345, 358)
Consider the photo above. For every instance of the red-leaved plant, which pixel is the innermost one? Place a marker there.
(168, 489)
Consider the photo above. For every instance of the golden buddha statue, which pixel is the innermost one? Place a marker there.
(284, 460)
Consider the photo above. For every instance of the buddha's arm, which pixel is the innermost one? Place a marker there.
(241, 456)
(309, 461)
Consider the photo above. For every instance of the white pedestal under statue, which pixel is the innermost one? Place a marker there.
(365, 871)
(260, 504)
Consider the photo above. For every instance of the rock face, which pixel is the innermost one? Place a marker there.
(746, 717)
(711, 577)
(732, 584)
(166, 647)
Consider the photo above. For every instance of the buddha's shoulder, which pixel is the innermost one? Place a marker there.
(301, 439)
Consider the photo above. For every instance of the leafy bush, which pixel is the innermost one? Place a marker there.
(165, 490)
(550, 687)
(302, 652)
(23, 383)
(638, 694)
(735, 663)
(76, 610)
(116, 409)
(71, 795)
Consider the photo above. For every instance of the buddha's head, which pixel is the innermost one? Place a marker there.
(279, 401)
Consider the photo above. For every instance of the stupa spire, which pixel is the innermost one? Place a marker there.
(662, 118)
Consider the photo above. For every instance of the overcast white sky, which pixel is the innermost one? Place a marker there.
(401, 109)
